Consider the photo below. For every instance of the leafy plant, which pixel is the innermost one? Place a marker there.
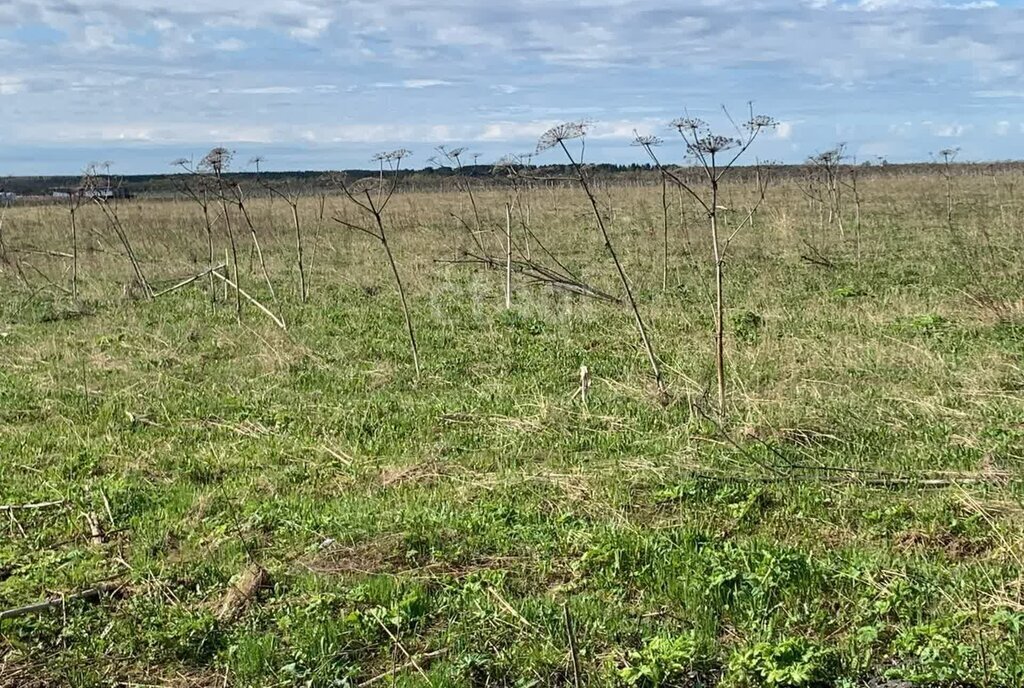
(746, 326)
(664, 661)
(788, 663)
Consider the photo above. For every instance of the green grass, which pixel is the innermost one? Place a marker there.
(462, 512)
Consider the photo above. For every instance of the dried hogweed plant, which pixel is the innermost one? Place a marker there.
(556, 137)
(452, 159)
(101, 194)
(715, 156)
(371, 196)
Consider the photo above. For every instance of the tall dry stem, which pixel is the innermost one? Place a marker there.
(577, 130)
(375, 207)
(716, 155)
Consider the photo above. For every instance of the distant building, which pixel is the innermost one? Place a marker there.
(80, 192)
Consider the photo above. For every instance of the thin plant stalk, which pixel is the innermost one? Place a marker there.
(705, 147)
(114, 220)
(251, 299)
(322, 202)
(303, 293)
(376, 210)
(74, 251)
(398, 283)
(209, 241)
(719, 290)
(240, 200)
(664, 233)
(508, 255)
(234, 250)
(293, 204)
(648, 348)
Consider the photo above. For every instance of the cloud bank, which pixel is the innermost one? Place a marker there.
(324, 83)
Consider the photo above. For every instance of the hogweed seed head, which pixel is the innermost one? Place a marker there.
(363, 185)
(392, 156)
(688, 125)
(829, 158)
(218, 160)
(563, 132)
(646, 140)
(758, 122)
(506, 163)
(710, 144)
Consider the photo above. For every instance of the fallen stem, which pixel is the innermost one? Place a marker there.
(189, 280)
(250, 299)
(90, 595)
(36, 505)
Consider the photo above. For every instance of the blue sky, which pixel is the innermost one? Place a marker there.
(316, 84)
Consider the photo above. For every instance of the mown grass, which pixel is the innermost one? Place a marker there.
(461, 513)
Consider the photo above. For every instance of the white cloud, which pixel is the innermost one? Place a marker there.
(424, 83)
(311, 28)
(513, 131)
(174, 133)
(999, 93)
(10, 86)
(877, 5)
(830, 69)
(414, 84)
(266, 90)
(947, 130)
(230, 45)
(97, 38)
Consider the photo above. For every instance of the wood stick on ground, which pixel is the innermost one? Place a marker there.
(89, 595)
(27, 507)
(40, 252)
(503, 603)
(584, 385)
(188, 280)
(250, 299)
(241, 593)
(96, 535)
(106, 505)
(865, 482)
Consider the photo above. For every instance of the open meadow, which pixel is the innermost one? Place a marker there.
(208, 498)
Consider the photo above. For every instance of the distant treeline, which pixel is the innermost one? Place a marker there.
(442, 178)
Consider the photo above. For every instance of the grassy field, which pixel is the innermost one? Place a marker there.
(855, 519)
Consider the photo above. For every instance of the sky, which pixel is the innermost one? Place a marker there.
(321, 84)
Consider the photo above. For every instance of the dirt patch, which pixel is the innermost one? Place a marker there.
(954, 546)
(423, 474)
(384, 554)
